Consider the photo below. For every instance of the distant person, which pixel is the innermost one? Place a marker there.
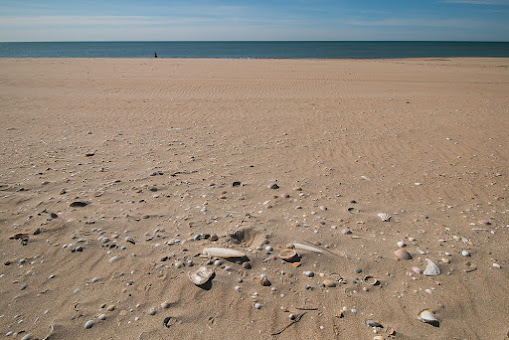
(155, 54)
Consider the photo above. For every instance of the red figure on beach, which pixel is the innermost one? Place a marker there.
(155, 54)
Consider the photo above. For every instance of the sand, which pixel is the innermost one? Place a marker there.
(153, 147)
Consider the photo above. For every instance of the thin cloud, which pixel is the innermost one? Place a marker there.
(416, 23)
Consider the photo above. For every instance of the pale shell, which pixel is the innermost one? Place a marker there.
(306, 247)
(384, 217)
(431, 269)
(402, 254)
(427, 316)
(288, 254)
(201, 276)
(223, 252)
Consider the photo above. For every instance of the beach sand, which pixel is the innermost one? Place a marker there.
(152, 148)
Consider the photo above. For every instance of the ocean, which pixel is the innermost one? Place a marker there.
(261, 49)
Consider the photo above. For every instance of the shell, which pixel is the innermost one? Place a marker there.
(431, 269)
(373, 323)
(402, 254)
(306, 247)
(384, 217)
(288, 255)
(223, 252)
(427, 316)
(371, 280)
(201, 276)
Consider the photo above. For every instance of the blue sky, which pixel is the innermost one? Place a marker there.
(136, 20)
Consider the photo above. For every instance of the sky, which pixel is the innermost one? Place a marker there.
(260, 20)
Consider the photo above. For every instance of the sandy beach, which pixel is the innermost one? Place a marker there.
(116, 174)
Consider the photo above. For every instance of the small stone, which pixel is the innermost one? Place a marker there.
(257, 306)
(246, 265)
(269, 248)
(23, 287)
(165, 305)
(101, 316)
(89, 324)
(214, 238)
(465, 253)
(27, 337)
(329, 283)
(274, 186)
(309, 273)
(152, 311)
(114, 259)
(358, 270)
(401, 244)
(111, 308)
(346, 231)
(496, 265)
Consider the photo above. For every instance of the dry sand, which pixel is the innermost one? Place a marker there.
(154, 147)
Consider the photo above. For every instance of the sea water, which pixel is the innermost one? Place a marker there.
(260, 49)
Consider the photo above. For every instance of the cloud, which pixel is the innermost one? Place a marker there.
(396, 22)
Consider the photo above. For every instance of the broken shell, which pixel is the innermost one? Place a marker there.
(201, 276)
(371, 280)
(431, 269)
(264, 281)
(402, 254)
(288, 255)
(384, 217)
(373, 323)
(427, 316)
(223, 252)
(306, 247)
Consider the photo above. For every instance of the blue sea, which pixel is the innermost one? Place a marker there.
(261, 49)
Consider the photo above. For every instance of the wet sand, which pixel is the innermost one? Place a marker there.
(152, 148)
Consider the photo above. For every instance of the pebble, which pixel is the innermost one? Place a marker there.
(309, 273)
(101, 316)
(465, 253)
(496, 265)
(95, 279)
(111, 308)
(114, 259)
(358, 270)
(274, 186)
(346, 231)
(401, 244)
(165, 305)
(89, 324)
(329, 283)
(23, 287)
(152, 311)
(27, 337)
(269, 248)
(257, 306)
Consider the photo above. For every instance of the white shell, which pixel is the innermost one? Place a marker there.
(431, 269)
(427, 316)
(201, 276)
(384, 217)
(223, 252)
(306, 247)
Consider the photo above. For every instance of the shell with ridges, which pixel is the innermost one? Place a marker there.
(384, 217)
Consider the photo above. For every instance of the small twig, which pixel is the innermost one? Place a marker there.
(297, 319)
(307, 308)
